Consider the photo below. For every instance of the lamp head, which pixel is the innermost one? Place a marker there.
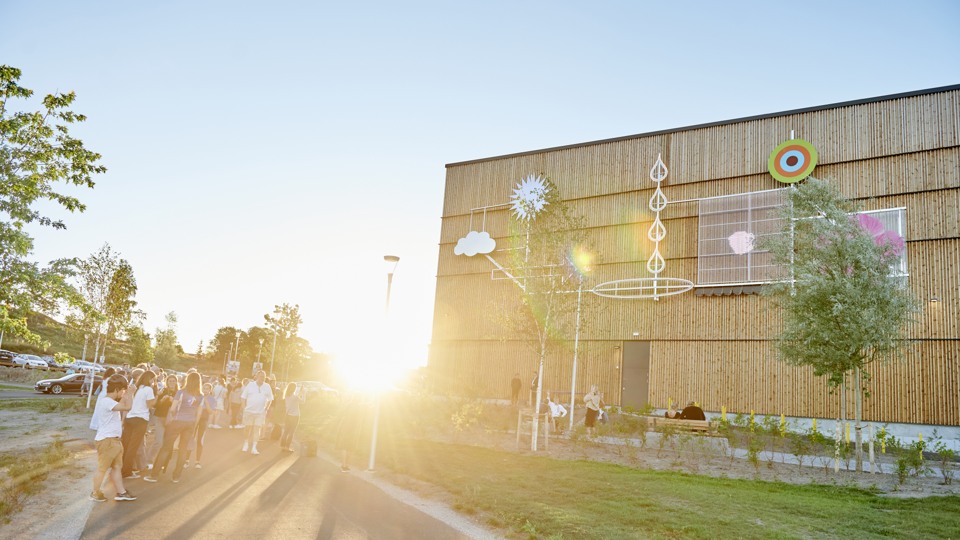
(390, 261)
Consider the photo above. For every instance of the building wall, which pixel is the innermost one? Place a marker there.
(896, 152)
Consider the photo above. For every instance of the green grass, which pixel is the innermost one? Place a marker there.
(13, 388)
(25, 473)
(48, 405)
(539, 497)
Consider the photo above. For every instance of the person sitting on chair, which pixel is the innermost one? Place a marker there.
(692, 412)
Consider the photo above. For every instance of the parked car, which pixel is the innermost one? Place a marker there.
(83, 364)
(6, 358)
(67, 383)
(53, 364)
(30, 361)
(317, 388)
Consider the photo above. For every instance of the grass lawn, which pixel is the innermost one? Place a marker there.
(539, 497)
(75, 405)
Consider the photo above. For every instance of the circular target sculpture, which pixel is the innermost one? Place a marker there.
(792, 161)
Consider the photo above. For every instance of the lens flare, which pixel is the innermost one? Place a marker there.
(581, 260)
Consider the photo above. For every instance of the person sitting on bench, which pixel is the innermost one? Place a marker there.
(692, 412)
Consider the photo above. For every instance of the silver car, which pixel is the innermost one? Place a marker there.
(30, 361)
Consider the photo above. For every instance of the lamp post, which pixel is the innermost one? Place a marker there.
(273, 349)
(391, 262)
(259, 350)
(236, 349)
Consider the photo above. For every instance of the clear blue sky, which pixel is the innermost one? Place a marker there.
(268, 152)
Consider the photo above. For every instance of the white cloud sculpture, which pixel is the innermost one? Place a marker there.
(474, 243)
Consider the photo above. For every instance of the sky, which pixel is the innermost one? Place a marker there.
(270, 152)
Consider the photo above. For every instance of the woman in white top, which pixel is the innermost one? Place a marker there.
(592, 401)
(135, 425)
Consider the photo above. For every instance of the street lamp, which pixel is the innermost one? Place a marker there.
(273, 350)
(236, 348)
(259, 350)
(390, 262)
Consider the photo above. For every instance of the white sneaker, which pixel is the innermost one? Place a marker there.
(245, 446)
(254, 451)
(197, 466)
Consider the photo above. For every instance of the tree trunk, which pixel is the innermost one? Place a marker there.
(535, 423)
(858, 411)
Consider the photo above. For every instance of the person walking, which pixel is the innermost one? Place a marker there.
(208, 410)
(159, 419)
(135, 425)
(515, 386)
(107, 440)
(236, 406)
(255, 398)
(293, 397)
(592, 401)
(220, 398)
(182, 422)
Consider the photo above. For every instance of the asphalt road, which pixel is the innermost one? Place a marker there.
(272, 495)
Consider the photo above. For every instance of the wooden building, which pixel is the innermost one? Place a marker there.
(712, 344)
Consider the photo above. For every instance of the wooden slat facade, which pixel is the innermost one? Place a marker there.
(901, 151)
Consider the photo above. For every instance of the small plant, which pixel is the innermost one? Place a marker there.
(666, 435)
(946, 457)
(754, 447)
(800, 446)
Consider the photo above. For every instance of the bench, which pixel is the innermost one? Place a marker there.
(697, 426)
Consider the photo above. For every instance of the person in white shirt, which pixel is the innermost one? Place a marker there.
(254, 399)
(220, 395)
(107, 440)
(557, 411)
(135, 425)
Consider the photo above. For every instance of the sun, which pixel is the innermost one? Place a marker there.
(530, 197)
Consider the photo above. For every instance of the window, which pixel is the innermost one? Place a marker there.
(730, 230)
(732, 226)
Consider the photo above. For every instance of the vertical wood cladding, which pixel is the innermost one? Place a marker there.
(901, 152)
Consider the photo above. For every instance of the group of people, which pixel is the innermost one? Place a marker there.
(177, 411)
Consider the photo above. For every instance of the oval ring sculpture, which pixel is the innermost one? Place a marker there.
(642, 287)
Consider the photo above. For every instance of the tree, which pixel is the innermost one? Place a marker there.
(119, 310)
(549, 277)
(842, 308)
(107, 286)
(167, 346)
(36, 154)
(285, 323)
(139, 341)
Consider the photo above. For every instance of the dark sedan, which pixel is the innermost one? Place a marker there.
(68, 383)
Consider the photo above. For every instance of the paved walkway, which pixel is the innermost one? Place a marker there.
(273, 495)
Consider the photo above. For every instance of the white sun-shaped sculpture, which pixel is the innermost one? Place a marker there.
(530, 197)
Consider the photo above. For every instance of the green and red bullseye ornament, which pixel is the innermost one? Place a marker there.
(792, 161)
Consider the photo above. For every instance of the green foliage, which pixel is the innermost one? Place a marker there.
(37, 154)
(844, 310)
(167, 347)
(946, 457)
(140, 349)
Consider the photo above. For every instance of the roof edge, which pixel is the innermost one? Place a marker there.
(838, 105)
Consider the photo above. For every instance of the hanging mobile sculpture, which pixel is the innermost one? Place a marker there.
(656, 286)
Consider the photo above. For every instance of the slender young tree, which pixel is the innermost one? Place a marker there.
(843, 309)
(543, 265)
(37, 154)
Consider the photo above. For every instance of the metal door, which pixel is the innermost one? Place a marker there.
(635, 374)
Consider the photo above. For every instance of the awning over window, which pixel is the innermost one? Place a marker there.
(728, 291)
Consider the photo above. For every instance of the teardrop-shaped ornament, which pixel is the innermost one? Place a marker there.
(657, 231)
(659, 171)
(658, 201)
(656, 264)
